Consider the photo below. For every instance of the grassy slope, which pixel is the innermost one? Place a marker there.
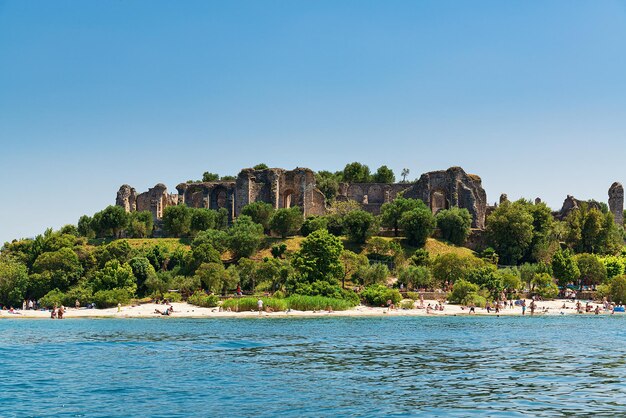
(433, 246)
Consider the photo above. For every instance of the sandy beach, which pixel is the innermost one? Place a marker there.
(185, 310)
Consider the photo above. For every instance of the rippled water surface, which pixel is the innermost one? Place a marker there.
(459, 366)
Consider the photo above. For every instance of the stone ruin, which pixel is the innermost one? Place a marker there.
(287, 188)
(616, 202)
(452, 187)
(155, 200)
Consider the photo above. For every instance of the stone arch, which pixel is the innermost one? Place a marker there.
(376, 194)
(288, 199)
(438, 200)
(356, 193)
(219, 198)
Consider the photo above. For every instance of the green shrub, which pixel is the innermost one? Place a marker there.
(413, 295)
(406, 304)
(316, 303)
(250, 304)
(461, 289)
(200, 298)
(173, 296)
(378, 295)
(109, 298)
(278, 295)
(474, 299)
(550, 291)
(52, 298)
(82, 293)
(617, 288)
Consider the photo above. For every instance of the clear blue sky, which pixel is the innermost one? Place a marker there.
(530, 95)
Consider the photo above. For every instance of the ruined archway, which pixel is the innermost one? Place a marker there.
(288, 198)
(219, 198)
(438, 201)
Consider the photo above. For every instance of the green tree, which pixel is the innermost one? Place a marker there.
(245, 237)
(328, 184)
(352, 263)
(418, 224)
(260, 212)
(391, 212)
(454, 224)
(13, 281)
(177, 221)
(143, 271)
(208, 177)
(359, 226)
(215, 278)
(261, 166)
(384, 175)
(199, 254)
(214, 237)
(614, 266)
(112, 221)
(85, 227)
(319, 258)
(356, 173)
(57, 269)
(114, 276)
(313, 223)
(565, 268)
(201, 219)
(461, 290)
(286, 221)
(450, 267)
(414, 277)
(140, 224)
(405, 172)
(592, 270)
(376, 273)
(510, 231)
(617, 289)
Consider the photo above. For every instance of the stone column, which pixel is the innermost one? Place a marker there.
(616, 202)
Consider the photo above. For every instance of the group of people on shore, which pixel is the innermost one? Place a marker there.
(57, 313)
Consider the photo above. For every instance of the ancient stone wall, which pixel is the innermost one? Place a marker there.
(155, 200)
(371, 195)
(127, 198)
(287, 188)
(452, 187)
(616, 202)
(209, 195)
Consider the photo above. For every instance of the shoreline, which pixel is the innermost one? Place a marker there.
(185, 310)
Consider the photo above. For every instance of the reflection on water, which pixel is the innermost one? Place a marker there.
(314, 367)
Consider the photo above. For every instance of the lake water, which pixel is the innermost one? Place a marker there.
(459, 366)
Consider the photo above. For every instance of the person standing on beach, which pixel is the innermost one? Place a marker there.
(524, 307)
(532, 307)
(259, 304)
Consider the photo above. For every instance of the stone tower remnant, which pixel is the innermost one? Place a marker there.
(616, 202)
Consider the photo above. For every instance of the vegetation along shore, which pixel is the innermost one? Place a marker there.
(403, 256)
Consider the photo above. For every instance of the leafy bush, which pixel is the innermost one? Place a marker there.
(413, 295)
(406, 304)
(52, 298)
(250, 304)
(109, 298)
(200, 298)
(311, 303)
(549, 291)
(173, 296)
(378, 295)
(83, 294)
(474, 299)
(617, 288)
(461, 289)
